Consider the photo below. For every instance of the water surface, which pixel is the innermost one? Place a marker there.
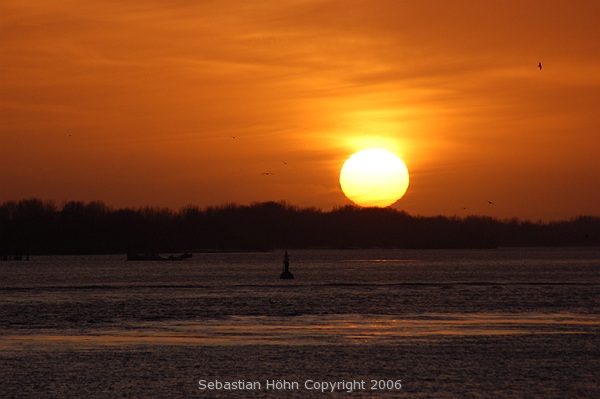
(510, 323)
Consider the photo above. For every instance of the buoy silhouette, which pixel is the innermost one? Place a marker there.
(286, 274)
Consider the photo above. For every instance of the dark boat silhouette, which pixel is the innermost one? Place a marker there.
(156, 257)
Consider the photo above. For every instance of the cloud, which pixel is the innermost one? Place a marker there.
(446, 83)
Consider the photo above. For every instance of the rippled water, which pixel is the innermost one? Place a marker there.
(506, 323)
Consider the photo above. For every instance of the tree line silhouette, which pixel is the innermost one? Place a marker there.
(35, 227)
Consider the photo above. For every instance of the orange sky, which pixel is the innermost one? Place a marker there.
(135, 103)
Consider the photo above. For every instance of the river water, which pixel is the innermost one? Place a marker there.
(504, 323)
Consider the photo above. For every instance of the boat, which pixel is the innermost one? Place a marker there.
(156, 257)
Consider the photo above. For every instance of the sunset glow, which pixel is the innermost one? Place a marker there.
(167, 104)
(374, 177)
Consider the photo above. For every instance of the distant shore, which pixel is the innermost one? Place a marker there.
(33, 227)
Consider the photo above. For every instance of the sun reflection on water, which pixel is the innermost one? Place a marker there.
(310, 329)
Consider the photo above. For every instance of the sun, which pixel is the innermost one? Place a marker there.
(374, 177)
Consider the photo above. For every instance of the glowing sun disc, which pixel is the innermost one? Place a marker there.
(374, 177)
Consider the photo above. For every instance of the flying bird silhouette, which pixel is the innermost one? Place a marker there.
(267, 173)
(490, 202)
(540, 66)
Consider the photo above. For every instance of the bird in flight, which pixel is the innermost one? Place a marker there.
(540, 66)
(267, 173)
(490, 202)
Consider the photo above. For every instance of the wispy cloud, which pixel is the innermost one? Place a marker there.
(452, 86)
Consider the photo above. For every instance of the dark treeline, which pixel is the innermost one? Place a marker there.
(37, 227)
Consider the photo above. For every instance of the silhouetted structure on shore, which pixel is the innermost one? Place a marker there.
(36, 227)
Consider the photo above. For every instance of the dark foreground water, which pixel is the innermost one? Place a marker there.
(506, 323)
